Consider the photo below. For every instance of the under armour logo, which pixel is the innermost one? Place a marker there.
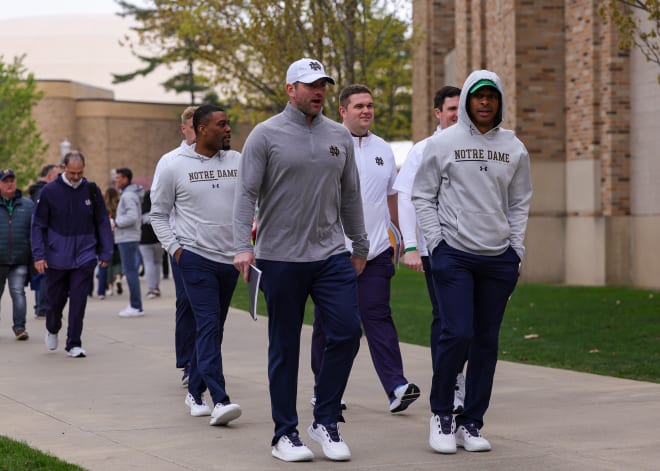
(379, 161)
(315, 65)
(334, 151)
(483, 168)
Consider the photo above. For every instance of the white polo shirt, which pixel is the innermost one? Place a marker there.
(377, 169)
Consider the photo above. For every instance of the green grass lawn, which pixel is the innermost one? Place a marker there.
(610, 331)
(17, 456)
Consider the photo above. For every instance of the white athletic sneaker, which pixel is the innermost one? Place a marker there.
(77, 352)
(459, 393)
(197, 410)
(403, 396)
(224, 413)
(51, 341)
(328, 436)
(441, 436)
(469, 437)
(130, 311)
(291, 448)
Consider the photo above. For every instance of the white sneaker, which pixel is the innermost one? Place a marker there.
(151, 295)
(441, 435)
(403, 396)
(459, 393)
(330, 439)
(130, 311)
(291, 448)
(51, 341)
(224, 413)
(77, 352)
(344, 405)
(469, 437)
(197, 410)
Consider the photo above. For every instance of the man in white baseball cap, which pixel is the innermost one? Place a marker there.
(306, 70)
(301, 168)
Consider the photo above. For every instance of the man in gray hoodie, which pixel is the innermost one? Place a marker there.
(472, 194)
(300, 166)
(199, 180)
(127, 236)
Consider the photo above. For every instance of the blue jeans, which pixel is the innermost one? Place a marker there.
(103, 281)
(129, 252)
(210, 286)
(15, 276)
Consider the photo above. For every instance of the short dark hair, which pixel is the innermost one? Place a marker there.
(354, 89)
(45, 170)
(126, 172)
(201, 115)
(73, 155)
(445, 92)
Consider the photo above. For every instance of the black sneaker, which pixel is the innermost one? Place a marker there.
(120, 290)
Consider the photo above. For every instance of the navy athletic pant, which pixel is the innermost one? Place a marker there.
(209, 286)
(472, 293)
(68, 285)
(332, 284)
(184, 322)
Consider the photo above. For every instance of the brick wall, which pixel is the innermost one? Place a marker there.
(434, 39)
(568, 97)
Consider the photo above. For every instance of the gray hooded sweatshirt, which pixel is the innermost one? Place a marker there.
(473, 190)
(129, 214)
(201, 191)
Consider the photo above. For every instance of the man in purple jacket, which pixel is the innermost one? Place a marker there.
(70, 229)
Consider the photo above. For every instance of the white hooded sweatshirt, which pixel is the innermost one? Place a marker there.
(473, 190)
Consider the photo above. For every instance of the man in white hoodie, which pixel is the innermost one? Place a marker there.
(200, 183)
(472, 194)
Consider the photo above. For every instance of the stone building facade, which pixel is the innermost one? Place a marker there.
(110, 133)
(588, 113)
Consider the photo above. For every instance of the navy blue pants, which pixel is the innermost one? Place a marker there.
(435, 306)
(184, 322)
(71, 285)
(210, 286)
(332, 284)
(472, 293)
(376, 316)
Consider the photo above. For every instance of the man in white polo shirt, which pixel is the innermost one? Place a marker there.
(377, 170)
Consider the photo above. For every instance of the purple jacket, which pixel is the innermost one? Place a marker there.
(63, 231)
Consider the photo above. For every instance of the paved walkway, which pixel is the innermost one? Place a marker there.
(121, 408)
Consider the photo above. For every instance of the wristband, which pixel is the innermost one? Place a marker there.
(409, 249)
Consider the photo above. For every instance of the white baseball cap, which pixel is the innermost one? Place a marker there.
(306, 70)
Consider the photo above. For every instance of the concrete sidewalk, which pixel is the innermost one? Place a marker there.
(121, 408)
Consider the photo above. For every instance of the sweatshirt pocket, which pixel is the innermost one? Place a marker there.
(215, 237)
(480, 231)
